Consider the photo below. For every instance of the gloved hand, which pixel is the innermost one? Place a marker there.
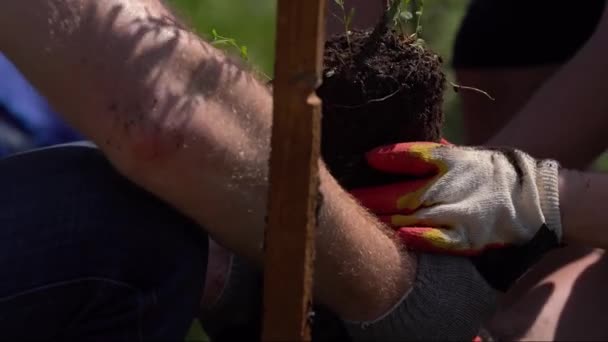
(469, 201)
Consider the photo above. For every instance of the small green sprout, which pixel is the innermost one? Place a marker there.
(393, 13)
(346, 19)
(401, 15)
(419, 10)
(219, 40)
(404, 13)
(227, 42)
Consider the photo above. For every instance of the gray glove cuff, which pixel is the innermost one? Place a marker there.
(548, 190)
(448, 301)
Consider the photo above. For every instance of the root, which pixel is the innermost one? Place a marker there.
(371, 101)
(458, 87)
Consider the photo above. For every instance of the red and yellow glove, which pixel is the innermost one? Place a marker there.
(464, 201)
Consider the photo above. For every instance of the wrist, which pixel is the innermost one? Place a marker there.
(369, 265)
(548, 188)
(570, 184)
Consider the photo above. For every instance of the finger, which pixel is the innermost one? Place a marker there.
(399, 221)
(435, 240)
(394, 198)
(444, 141)
(413, 159)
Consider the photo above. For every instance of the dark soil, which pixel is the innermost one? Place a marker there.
(373, 97)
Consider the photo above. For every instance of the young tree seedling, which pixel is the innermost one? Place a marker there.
(418, 11)
(346, 19)
(401, 16)
(404, 13)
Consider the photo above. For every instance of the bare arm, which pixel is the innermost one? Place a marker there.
(567, 118)
(183, 121)
(583, 198)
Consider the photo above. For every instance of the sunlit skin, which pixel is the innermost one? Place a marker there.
(188, 124)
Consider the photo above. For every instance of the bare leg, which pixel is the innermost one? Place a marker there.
(565, 304)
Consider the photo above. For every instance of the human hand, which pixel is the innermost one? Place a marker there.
(464, 200)
(500, 206)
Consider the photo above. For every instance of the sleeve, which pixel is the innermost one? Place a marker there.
(449, 300)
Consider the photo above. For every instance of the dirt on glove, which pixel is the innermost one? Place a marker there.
(389, 93)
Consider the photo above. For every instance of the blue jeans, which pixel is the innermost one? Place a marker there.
(87, 256)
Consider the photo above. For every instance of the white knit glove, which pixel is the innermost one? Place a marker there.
(463, 200)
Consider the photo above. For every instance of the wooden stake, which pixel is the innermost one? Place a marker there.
(294, 179)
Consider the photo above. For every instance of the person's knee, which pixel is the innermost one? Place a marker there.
(68, 214)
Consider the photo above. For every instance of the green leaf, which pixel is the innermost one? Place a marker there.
(393, 11)
(244, 52)
(340, 3)
(220, 41)
(419, 9)
(406, 16)
(349, 18)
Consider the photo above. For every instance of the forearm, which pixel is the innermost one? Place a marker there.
(356, 250)
(177, 117)
(566, 118)
(583, 197)
(151, 95)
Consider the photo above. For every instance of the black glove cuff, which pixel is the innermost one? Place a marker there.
(503, 267)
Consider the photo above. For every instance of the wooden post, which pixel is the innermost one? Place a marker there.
(294, 178)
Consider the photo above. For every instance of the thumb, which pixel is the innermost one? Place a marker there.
(435, 240)
(386, 199)
(444, 141)
(411, 158)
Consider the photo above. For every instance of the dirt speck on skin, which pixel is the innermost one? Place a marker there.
(389, 94)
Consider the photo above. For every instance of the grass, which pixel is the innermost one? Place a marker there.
(196, 333)
(250, 23)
